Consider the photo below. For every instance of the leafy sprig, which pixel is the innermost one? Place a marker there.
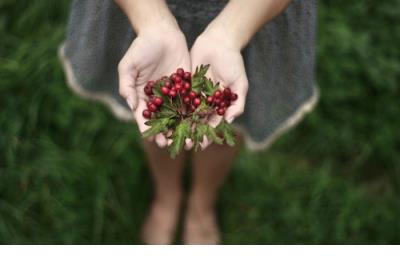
(184, 123)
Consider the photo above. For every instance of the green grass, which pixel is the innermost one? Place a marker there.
(334, 179)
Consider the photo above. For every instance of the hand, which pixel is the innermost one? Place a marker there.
(226, 66)
(156, 52)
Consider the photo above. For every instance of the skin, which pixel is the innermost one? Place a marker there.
(159, 49)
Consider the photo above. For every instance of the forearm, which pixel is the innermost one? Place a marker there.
(241, 19)
(146, 13)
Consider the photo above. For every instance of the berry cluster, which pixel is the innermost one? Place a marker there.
(178, 86)
(221, 100)
(183, 103)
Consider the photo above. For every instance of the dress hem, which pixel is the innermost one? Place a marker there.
(124, 114)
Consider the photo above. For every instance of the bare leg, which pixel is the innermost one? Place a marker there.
(161, 222)
(210, 169)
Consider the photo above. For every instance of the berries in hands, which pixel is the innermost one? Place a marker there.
(182, 104)
(180, 83)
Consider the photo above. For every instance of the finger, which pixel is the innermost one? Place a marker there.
(161, 140)
(188, 144)
(205, 143)
(169, 133)
(127, 80)
(237, 108)
(169, 142)
(214, 120)
(140, 120)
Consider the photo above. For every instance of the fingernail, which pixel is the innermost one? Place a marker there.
(130, 104)
(230, 120)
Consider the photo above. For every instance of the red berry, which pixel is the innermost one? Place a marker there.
(192, 95)
(150, 84)
(148, 91)
(227, 102)
(177, 79)
(209, 100)
(152, 107)
(180, 72)
(182, 91)
(168, 84)
(164, 90)
(158, 101)
(172, 93)
(186, 100)
(221, 111)
(178, 87)
(196, 102)
(227, 92)
(146, 114)
(148, 104)
(192, 108)
(222, 104)
(186, 85)
(217, 101)
(173, 76)
(234, 97)
(217, 93)
(187, 76)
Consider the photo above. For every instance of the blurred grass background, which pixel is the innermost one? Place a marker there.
(335, 179)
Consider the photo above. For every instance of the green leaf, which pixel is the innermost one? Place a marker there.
(199, 79)
(210, 87)
(182, 131)
(197, 84)
(225, 130)
(199, 133)
(202, 70)
(156, 126)
(157, 89)
(166, 112)
(213, 136)
(203, 129)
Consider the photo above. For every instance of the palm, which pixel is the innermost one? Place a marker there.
(151, 56)
(227, 67)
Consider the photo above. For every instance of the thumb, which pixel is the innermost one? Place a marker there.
(240, 87)
(127, 81)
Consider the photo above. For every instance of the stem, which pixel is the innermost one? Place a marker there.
(171, 108)
(180, 99)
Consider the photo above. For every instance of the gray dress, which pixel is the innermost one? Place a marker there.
(279, 60)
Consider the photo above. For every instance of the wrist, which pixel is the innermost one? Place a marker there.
(161, 26)
(162, 23)
(147, 14)
(221, 32)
